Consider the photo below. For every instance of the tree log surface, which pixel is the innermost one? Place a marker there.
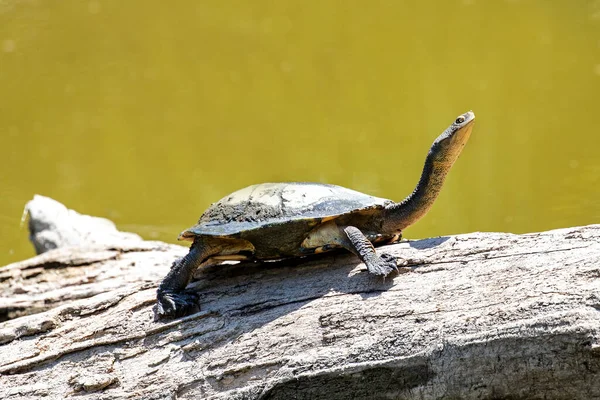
(474, 316)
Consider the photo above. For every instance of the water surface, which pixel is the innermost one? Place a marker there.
(146, 112)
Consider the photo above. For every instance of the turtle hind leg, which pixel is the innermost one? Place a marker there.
(172, 299)
(175, 304)
(358, 244)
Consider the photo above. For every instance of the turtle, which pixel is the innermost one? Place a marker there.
(271, 221)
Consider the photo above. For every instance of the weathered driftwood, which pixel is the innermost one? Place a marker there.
(82, 256)
(476, 316)
(52, 225)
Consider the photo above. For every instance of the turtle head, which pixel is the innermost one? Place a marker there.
(443, 153)
(447, 147)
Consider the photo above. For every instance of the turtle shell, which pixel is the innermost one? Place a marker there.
(269, 204)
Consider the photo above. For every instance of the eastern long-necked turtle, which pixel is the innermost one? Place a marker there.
(281, 220)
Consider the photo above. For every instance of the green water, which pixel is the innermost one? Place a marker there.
(146, 112)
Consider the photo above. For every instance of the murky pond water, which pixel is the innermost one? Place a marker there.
(146, 112)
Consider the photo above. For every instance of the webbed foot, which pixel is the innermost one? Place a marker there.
(175, 304)
(383, 265)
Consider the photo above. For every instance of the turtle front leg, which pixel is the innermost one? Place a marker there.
(172, 299)
(358, 244)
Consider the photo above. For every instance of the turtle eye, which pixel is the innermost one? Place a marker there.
(460, 120)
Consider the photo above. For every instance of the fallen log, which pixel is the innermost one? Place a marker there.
(474, 316)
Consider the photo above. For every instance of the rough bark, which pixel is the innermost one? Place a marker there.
(475, 316)
(81, 256)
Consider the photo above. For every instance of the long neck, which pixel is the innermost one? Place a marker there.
(398, 216)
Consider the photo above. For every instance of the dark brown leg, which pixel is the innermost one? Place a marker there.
(358, 244)
(172, 299)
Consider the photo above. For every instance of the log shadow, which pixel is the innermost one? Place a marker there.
(424, 244)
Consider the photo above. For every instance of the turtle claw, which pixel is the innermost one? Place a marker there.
(175, 304)
(385, 264)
